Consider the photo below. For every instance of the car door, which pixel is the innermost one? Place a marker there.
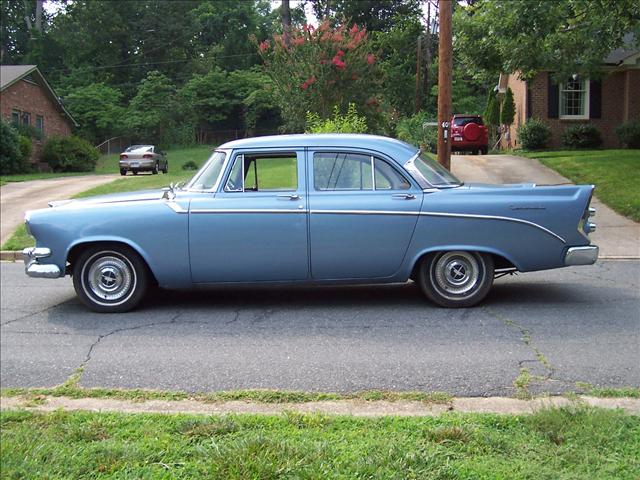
(255, 227)
(363, 211)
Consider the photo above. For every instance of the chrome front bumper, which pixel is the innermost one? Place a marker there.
(581, 255)
(39, 270)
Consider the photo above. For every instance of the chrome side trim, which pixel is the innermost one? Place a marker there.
(176, 208)
(363, 212)
(494, 217)
(246, 210)
(581, 255)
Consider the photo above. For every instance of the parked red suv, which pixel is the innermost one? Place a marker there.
(469, 133)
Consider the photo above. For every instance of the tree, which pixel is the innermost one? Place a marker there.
(375, 15)
(492, 115)
(321, 69)
(508, 110)
(97, 109)
(152, 112)
(526, 36)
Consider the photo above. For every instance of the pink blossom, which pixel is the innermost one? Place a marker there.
(354, 29)
(340, 53)
(371, 59)
(298, 41)
(264, 46)
(337, 61)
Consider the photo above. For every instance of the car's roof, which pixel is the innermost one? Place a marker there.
(457, 115)
(396, 149)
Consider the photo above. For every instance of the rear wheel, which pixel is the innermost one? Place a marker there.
(166, 168)
(110, 278)
(456, 278)
(155, 169)
(135, 172)
(484, 150)
(123, 171)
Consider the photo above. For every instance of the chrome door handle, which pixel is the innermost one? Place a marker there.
(404, 196)
(292, 196)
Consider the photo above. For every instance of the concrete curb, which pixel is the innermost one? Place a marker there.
(16, 256)
(359, 408)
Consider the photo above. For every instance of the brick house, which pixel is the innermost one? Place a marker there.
(606, 102)
(27, 99)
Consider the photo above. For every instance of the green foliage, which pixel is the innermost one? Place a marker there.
(320, 69)
(25, 146)
(492, 112)
(350, 122)
(28, 131)
(12, 151)
(151, 114)
(629, 134)
(189, 165)
(534, 134)
(412, 130)
(376, 15)
(563, 36)
(581, 136)
(508, 110)
(70, 154)
(97, 108)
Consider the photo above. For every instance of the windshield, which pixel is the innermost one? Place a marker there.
(207, 177)
(138, 147)
(430, 173)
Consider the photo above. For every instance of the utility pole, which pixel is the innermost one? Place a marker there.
(445, 70)
(418, 97)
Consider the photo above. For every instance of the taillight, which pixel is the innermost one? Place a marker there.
(123, 157)
(147, 156)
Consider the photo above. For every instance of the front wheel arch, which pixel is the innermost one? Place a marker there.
(76, 250)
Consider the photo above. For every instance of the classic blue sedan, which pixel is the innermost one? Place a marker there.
(317, 209)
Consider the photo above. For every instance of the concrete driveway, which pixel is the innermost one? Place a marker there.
(18, 197)
(617, 236)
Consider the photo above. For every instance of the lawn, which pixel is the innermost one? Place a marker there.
(615, 173)
(560, 443)
(143, 181)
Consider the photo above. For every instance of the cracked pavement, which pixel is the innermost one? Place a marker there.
(579, 324)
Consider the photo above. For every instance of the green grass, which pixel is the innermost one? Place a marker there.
(615, 173)
(19, 240)
(146, 180)
(551, 444)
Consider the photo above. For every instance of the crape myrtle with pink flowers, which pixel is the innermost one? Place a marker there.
(315, 69)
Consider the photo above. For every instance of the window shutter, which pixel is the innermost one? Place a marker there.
(553, 97)
(595, 99)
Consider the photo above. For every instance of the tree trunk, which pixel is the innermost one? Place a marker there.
(286, 21)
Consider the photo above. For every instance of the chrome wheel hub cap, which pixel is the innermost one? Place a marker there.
(457, 273)
(110, 278)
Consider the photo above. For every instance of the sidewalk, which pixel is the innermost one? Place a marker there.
(617, 236)
(18, 197)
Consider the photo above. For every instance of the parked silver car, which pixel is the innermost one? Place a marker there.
(141, 158)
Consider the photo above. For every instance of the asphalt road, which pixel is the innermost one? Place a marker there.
(579, 324)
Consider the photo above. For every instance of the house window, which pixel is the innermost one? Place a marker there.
(40, 123)
(26, 118)
(15, 117)
(574, 98)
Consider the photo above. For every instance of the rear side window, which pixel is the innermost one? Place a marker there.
(352, 171)
(462, 121)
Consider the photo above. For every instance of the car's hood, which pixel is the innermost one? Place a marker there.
(111, 198)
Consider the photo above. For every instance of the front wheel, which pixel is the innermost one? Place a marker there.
(155, 169)
(456, 278)
(123, 172)
(110, 278)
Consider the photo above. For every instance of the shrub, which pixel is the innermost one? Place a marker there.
(534, 134)
(24, 144)
(190, 165)
(629, 134)
(413, 130)
(350, 122)
(12, 151)
(70, 154)
(581, 136)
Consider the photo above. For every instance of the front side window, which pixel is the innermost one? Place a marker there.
(260, 173)
(352, 171)
(574, 95)
(207, 177)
